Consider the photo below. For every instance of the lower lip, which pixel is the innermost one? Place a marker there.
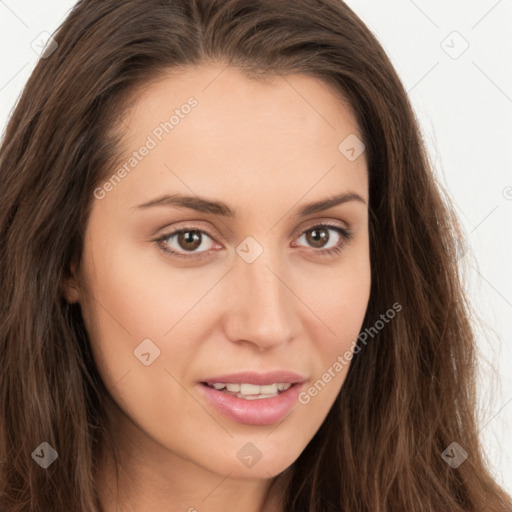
(263, 411)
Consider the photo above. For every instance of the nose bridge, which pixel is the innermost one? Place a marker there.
(262, 306)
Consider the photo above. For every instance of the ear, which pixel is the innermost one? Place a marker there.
(69, 284)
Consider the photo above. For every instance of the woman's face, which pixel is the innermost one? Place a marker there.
(257, 289)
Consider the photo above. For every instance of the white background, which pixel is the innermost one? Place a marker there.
(464, 105)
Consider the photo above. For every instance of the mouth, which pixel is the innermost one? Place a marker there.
(252, 404)
(248, 391)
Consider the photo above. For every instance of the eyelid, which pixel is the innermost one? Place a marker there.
(189, 226)
(318, 223)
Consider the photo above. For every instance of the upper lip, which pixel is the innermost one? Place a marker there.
(251, 377)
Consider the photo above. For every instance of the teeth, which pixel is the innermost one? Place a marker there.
(268, 389)
(252, 390)
(257, 397)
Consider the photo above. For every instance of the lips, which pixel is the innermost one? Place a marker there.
(264, 411)
(253, 409)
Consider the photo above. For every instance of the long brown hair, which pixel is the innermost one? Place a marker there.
(409, 393)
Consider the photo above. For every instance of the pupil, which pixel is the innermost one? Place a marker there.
(318, 237)
(189, 240)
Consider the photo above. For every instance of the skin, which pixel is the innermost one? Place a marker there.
(265, 149)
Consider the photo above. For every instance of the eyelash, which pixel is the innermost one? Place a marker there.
(346, 236)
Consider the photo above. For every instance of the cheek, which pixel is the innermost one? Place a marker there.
(138, 292)
(133, 297)
(130, 308)
(338, 297)
(339, 306)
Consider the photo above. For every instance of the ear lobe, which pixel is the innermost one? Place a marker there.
(69, 285)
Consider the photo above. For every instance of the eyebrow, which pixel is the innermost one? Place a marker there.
(219, 208)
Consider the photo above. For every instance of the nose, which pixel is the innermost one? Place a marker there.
(262, 306)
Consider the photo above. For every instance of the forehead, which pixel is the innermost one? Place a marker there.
(212, 130)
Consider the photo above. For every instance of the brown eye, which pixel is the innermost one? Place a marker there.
(183, 241)
(320, 239)
(317, 237)
(189, 240)
(196, 243)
